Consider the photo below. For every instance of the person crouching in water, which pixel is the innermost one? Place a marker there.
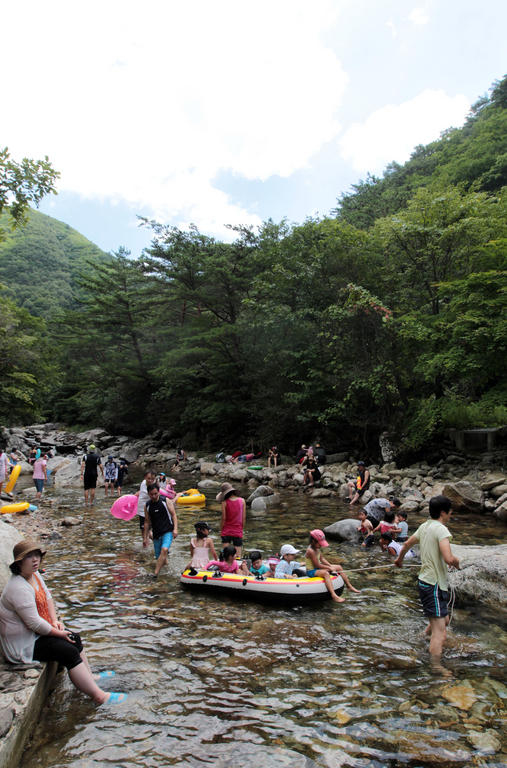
(319, 566)
(160, 517)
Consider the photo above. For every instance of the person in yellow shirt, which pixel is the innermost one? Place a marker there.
(434, 540)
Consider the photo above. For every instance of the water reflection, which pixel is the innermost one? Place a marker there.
(215, 681)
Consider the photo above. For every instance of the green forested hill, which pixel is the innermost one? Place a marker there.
(473, 157)
(39, 262)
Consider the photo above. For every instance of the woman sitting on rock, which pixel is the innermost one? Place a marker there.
(311, 470)
(30, 630)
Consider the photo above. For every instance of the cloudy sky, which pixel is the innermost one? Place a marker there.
(232, 111)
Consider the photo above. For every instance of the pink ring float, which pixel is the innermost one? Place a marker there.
(125, 508)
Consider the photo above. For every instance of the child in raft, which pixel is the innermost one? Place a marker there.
(227, 562)
(387, 525)
(319, 566)
(258, 568)
(287, 567)
(365, 529)
(202, 548)
(233, 516)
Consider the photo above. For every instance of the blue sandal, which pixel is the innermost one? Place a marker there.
(116, 698)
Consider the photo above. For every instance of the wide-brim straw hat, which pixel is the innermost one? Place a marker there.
(23, 548)
(225, 490)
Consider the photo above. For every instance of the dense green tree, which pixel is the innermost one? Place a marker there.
(22, 183)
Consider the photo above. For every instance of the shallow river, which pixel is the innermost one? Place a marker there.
(222, 682)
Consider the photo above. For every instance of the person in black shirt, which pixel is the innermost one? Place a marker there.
(90, 466)
(160, 516)
(123, 470)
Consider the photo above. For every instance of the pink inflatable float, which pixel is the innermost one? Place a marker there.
(125, 508)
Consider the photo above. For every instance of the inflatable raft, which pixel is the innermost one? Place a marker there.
(11, 509)
(13, 478)
(192, 496)
(288, 590)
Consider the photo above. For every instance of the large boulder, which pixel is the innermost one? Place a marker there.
(207, 468)
(343, 529)
(9, 536)
(321, 493)
(482, 575)
(261, 490)
(66, 472)
(464, 496)
(261, 503)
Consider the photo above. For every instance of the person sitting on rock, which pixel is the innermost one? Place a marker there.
(301, 454)
(311, 470)
(360, 485)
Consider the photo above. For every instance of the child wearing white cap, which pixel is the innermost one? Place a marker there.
(285, 568)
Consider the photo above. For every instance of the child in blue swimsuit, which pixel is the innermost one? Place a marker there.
(322, 567)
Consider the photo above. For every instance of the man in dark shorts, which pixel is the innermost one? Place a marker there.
(90, 466)
(434, 538)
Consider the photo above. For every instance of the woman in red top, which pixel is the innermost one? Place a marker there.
(233, 517)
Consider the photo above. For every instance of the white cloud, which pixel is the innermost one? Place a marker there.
(392, 26)
(419, 16)
(392, 132)
(148, 103)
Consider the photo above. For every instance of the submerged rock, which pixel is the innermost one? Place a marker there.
(343, 529)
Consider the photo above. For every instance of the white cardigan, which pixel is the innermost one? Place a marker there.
(20, 623)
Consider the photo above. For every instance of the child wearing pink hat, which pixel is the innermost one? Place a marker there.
(319, 566)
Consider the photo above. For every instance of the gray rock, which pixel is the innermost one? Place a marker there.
(482, 575)
(490, 481)
(6, 718)
(261, 490)
(208, 484)
(69, 521)
(464, 496)
(500, 500)
(343, 529)
(259, 504)
(207, 468)
(410, 506)
(321, 493)
(498, 491)
(239, 475)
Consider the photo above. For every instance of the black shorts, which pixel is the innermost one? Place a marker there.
(141, 522)
(90, 481)
(236, 540)
(58, 649)
(434, 600)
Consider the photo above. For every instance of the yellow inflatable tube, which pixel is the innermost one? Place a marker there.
(13, 478)
(10, 509)
(192, 496)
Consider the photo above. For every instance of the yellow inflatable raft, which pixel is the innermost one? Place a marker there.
(13, 478)
(192, 496)
(10, 509)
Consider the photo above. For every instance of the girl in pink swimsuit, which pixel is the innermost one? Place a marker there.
(202, 548)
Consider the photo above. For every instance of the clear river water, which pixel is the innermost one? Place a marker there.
(218, 681)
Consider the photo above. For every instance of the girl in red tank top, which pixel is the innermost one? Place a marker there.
(233, 517)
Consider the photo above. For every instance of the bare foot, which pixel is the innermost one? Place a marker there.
(353, 589)
(338, 599)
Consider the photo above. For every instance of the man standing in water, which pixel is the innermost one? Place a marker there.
(434, 538)
(89, 469)
(160, 517)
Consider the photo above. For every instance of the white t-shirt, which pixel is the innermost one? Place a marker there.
(395, 547)
(142, 499)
